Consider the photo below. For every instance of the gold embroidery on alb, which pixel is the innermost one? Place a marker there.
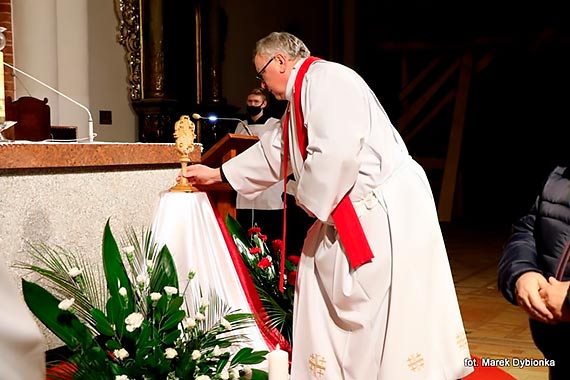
(416, 362)
(461, 340)
(317, 365)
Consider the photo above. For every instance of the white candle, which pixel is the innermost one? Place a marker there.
(2, 109)
(278, 364)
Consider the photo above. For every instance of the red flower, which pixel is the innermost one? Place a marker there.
(264, 263)
(62, 370)
(255, 250)
(292, 278)
(262, 237)
(253, 230)
(294, 259)
(277, 244)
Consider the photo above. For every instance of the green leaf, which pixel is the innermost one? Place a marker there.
(115, 271)
(247, 356)
(112, 344)
(241, 354)
(116, 314)
(45, 307)
(175, 304)
(145, 333)
(164, 272)
(174, 319)
(258, 374)
(171, 337)
(102, 324)
(224, 359)
(255, 357)
(237, 230)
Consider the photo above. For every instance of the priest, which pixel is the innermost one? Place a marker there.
(375, 297)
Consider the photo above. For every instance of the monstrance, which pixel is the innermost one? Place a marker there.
(184, 133)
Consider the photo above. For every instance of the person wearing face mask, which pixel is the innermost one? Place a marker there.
(265, 210)
(256, 104)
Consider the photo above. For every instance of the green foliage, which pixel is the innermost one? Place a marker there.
(147, 328)
(263, 265)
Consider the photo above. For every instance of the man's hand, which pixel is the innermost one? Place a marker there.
(529, 299)
(554, 296)
(202, 175)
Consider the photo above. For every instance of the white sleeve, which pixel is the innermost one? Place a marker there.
(240, 129)
(257, 168)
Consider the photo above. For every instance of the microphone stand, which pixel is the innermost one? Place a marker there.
(90, 118)
(213, 119)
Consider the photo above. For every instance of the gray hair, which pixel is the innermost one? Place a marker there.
(281, 42)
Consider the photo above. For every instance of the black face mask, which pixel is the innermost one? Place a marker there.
(253, 110)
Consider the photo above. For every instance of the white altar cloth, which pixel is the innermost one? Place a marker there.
(187, 225)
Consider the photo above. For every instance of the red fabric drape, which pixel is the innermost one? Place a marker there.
(272, 336)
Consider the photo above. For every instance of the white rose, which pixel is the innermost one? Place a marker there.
(224, 322)
(141, 279)
(170, 290)
(203, 377)
(129, 249)
(74, 272)
(170, 353)
(217, 351)
(155, 297)
(248, 373)
(123, 292)
(66, 303)
(121, 353)
(235, 374)
(224, 375)
(134, 321)
(200, 317)
(188, 323)
(121, 377)
(196, 354)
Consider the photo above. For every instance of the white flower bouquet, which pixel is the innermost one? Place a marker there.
(138, 325)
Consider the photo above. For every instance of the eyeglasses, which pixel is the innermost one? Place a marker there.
(259, 75)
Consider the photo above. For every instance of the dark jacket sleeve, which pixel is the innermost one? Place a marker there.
(519, 255)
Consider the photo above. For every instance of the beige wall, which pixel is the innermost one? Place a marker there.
(105, 63)
(72, 46)
(108, 74)
(69, 208)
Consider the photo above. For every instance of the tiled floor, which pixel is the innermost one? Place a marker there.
(495, 328)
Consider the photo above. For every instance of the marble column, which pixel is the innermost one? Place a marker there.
(51, 44)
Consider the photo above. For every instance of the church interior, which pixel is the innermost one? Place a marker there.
(479, 93)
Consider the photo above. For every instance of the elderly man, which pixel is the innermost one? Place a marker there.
(374, 296)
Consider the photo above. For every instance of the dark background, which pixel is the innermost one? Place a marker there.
(516, 126)
(516, 123)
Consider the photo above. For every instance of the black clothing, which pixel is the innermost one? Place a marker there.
(261, 120)
(298, 224)
(269, 221)
(538, 238)
(536, 244)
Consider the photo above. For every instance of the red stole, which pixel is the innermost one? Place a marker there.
(344, 216)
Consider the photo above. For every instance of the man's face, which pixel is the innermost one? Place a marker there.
(273, 77)
(255, 100)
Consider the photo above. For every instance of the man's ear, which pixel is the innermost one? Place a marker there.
(281, 61)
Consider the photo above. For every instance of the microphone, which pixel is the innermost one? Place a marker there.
(214, 118)
(90, 118)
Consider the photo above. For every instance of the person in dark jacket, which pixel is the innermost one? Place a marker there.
(532, 271)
